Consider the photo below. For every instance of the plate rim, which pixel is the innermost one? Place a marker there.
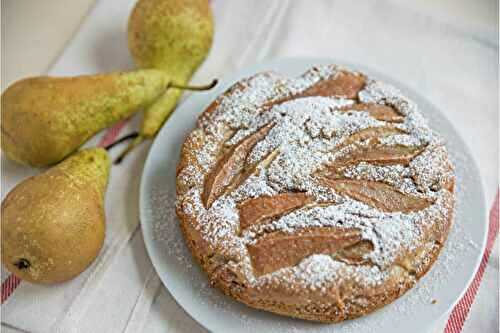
(230, 78)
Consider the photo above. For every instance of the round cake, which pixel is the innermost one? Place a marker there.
(322, 197)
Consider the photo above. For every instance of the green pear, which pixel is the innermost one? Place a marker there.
(53, 224)
(174, 36)
(44, 119)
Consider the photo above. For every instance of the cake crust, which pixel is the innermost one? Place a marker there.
(322, 197)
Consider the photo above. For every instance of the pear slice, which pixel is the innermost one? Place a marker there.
(371, 133)
(342, 84)
(356, 254)
(278, 249)
(378, 111)
(230, 165)
(258, 210)
(379, 154)
(378, 195)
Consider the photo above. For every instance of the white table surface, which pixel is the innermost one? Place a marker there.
(35, 32)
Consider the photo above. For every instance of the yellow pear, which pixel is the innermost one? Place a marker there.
(174, 36)
(53, 223)
(44, 119)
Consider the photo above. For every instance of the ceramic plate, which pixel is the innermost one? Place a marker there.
(417, 311)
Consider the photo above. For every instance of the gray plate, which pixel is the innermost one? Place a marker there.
(414, 312)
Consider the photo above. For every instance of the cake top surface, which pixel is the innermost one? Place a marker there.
(331, 175)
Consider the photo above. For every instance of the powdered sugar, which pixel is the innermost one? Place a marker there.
(319, 272)
(306, 135)
(403, 140)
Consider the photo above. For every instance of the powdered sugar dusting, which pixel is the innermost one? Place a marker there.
(320, 272)
(307, 134)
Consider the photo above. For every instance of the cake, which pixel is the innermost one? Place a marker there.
(322, 197)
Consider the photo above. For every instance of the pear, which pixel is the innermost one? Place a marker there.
(174, 36)
(44, 119)
(53, 223)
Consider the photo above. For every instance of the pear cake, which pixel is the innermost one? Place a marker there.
(322, 197)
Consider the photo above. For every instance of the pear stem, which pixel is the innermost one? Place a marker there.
(122, 139)
(194, 88)
(138, 140)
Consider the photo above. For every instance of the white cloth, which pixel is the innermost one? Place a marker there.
(451, 62)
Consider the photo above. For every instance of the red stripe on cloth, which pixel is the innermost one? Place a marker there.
(9, 285)
(461, 310)
(112, 133)
(12, 282)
